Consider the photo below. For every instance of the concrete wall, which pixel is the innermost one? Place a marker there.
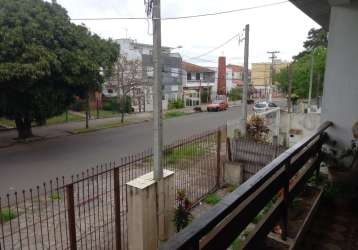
(340, 95)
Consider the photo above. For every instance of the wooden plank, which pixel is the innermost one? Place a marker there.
(307, 221)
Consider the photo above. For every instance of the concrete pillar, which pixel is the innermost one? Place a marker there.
(340, 95)
(146, 225)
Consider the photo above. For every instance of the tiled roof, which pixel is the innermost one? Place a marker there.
(235, 67)
(189, 67)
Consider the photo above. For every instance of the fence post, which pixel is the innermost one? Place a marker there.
(71, 216)
(218, 158)
(285, 201)
(117, 209)
(228, 146)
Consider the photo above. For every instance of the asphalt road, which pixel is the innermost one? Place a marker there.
(25, 166)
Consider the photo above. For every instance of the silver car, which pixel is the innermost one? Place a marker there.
(263, 106)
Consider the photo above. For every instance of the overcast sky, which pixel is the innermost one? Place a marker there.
(282, 27)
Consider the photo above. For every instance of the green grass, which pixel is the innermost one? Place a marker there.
(212, 199)
(230, 188)
(98, 127)
(190, 150)
(7, 214)
(172, 114)
(6, 122)
(54, 120)
(56, 196)
(62, 119)
(262, 213)
(103, 113)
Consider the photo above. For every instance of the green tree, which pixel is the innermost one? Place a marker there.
(235, 94)
(316, 38)
(45, 61)
(316, 46)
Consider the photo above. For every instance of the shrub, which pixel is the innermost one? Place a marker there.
(235, 94)
(182, 215)
(205, 97)
(256, 129)
(56, 196)
(79, 105)
(176, 104)
(7, 214)
(212, 199)
(112, 104)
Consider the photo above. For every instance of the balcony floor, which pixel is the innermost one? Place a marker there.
(335, 227)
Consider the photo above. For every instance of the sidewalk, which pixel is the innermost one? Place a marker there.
(64, 129)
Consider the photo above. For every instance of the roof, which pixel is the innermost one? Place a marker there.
(318, 10)
(189, 67)
(235, 67)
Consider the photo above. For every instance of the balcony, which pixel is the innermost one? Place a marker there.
(279, 183)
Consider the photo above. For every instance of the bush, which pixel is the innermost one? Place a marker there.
(79, 105)
(112, 105)
(256, 129)
(176, 104)
(212, 199)
(182, 215)
(7, 214)
(235, 94)
(205, 97)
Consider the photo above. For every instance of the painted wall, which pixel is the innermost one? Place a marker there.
(340, 95)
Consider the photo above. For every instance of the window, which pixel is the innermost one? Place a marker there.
(110, 91)
(188, 76)
(197, 76)
(174, 72)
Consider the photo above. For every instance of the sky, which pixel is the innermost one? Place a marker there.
(281, 27)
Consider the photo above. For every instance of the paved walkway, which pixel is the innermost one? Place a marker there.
(64, 129)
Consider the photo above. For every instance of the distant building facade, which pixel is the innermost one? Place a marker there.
(196, 80)
(142, 96)
(261, 73)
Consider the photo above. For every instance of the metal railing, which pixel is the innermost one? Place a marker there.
(288, 173)
(89, 211)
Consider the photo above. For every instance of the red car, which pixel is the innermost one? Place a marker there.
(218, 105)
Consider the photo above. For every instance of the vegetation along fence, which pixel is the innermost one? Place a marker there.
(89, 211)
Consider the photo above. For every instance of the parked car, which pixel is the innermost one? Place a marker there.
(218, 105)
(263, 106)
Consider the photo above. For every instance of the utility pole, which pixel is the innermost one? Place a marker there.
(289, 104)
(157, 86)
(317, 88)
(272, 57)
(246, 81)
(311, 82)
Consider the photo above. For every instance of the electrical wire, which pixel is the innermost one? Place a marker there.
(216, 48)
(179, 17)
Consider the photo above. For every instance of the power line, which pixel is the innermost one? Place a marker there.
(179, 17)
(216, 48)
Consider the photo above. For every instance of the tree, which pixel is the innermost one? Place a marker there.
(315, 45)
(127, 76)
(45, 61)
(235, 94)
(316, 38)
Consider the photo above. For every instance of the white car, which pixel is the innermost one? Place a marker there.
(263, 106)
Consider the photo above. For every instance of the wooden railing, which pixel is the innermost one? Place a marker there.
(221, 225)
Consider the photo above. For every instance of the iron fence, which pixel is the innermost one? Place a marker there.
(89, 210)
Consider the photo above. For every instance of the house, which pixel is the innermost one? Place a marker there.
(142, 96)
(197, 80)
(234, 76)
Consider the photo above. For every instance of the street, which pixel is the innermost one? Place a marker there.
(27, 165)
